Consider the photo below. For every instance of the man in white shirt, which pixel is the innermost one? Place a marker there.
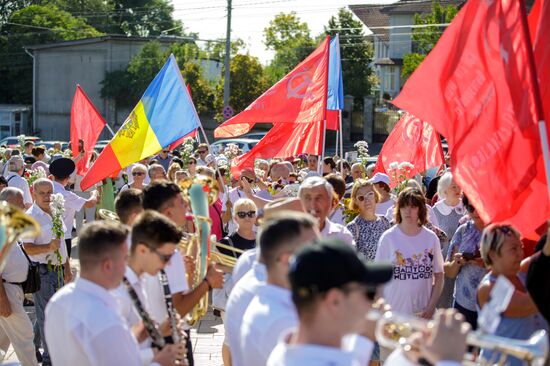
(317, 195)
(165, 197)
(42, 249)
(16, 167)
(154, 240)
(271, 311)
(61, 169)
(15, 325)
(82, 325)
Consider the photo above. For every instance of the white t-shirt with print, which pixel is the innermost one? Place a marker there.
(415, 260)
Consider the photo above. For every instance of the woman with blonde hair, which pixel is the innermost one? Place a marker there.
(367, 227)
(172, 169)
(139, 172)
(502, 251)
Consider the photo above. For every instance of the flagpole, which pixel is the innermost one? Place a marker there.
(327, 50)
(337, 140)
(110, 129)
(341, 142)
(323, 150)
(536, 94)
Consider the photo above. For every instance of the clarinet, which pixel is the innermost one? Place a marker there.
(172, 315)
(150, 325)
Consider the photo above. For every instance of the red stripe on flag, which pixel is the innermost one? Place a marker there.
(104, 167)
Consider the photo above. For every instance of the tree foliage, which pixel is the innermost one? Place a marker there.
(290, 39)
(425, 38)
(356, 54)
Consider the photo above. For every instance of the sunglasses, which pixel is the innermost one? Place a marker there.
(506, 230)
(164, 151)
(202, 151)
(368, 196)
(248, 180)
(165, 258)
(243, 214)
(191, 162)
(134, 174)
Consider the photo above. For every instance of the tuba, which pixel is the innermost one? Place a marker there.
(108, 215)
(14, 224)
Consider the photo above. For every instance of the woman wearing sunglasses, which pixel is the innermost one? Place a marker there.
(139, 172)
(367, 227)
(192, 166)
(502, 252)
(464, 263)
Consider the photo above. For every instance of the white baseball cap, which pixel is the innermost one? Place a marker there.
(380, 178)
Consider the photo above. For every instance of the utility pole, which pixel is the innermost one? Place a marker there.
(226, 88)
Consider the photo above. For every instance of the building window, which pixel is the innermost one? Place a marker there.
(17, 116)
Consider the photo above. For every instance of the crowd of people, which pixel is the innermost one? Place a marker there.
(317, 245)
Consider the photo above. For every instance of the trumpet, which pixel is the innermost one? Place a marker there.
(14, 224)
(226, 260)
(393, 329)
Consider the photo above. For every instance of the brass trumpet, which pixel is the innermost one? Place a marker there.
(14, 224)
(393, 329)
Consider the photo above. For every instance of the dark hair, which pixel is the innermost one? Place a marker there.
(382, 185)
(15, 152)
(338, 183)
(178, 161)
(98, 239)
(345, 164)
(3, 180)
(329, 161)
(38, 150)
(411, 197)
(157, 195)
(154, 230)
(127, 203)
(280, 231)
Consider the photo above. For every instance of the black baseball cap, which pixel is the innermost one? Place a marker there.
(62, 167)
(331, 263)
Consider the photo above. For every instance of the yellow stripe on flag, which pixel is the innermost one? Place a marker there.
(136, 139)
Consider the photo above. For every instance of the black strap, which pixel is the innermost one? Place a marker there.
(10, 178)
(231, 243)
(24, 252)
(150, 325)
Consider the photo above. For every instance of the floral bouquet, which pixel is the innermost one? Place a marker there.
(57, 207)
(232, 151)
(21, 141)
(68, 153)
(36, 174)
(187, 149)
(362, 151)
(399, 174)
(349, 214)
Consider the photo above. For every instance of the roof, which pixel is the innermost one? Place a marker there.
(389, 61)
(14, 107)
(106, 38)
(378, 15)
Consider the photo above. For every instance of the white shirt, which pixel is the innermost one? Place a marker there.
(270, 313)
(83, 328)
(355, 351)
(382, 207)
(239, 299)
(337, 231)
(17, 266)
(73, 203)
(45, 237)
(177, 281)
(19, 182)
(244, 264)
(398, 358)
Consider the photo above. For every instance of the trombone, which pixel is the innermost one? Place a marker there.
(393, 329)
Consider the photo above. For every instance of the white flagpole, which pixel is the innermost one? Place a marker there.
(110, 129)
(323, 147)
(341, 142)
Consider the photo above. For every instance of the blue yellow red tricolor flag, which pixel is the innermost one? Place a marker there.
(164, 114)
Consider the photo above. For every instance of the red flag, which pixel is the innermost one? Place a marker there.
(299, 97)
(533, 19)
(413, 141)
(86, 126)
(333, 120)
(482, 100)
(540, 35)
(282, 141)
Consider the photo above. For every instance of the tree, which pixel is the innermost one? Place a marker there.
(425, 38)
(248, 82)
(356, 54)
(35, 24)
(291, 41)
(215, 50)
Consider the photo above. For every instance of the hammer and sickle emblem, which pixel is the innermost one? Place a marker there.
(412, 133)
(300, 90)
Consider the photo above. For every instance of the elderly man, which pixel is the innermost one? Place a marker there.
(157, 172)
(317, 195)
(280, 171)
(16, 167)
(15, 325)
(357, 171)
(61, 169)
(46, 250)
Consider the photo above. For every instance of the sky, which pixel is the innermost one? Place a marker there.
(250, 17)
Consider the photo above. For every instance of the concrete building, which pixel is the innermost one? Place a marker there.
(14, 119)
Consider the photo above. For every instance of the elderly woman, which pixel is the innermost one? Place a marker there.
(415, 252)
(139, 172)
(502, 252)
(171, 173)
(465, 264)
(367, 227)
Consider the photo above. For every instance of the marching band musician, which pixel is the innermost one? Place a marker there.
(82, 324)
(153, 243)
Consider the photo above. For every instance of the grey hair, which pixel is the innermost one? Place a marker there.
(444, 183)
(41, 182)
(15, 163)
(313, 182)
(154, 167)
(8, 193)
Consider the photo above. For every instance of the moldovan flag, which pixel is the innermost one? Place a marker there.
(155, 122)
(299, 97)
(86, 125)
(335, 97)
(283, 140)
(476, 88)
(192, 134)
(414, 141)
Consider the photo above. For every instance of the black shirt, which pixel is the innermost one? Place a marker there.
(237, 241)
(538, 285)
